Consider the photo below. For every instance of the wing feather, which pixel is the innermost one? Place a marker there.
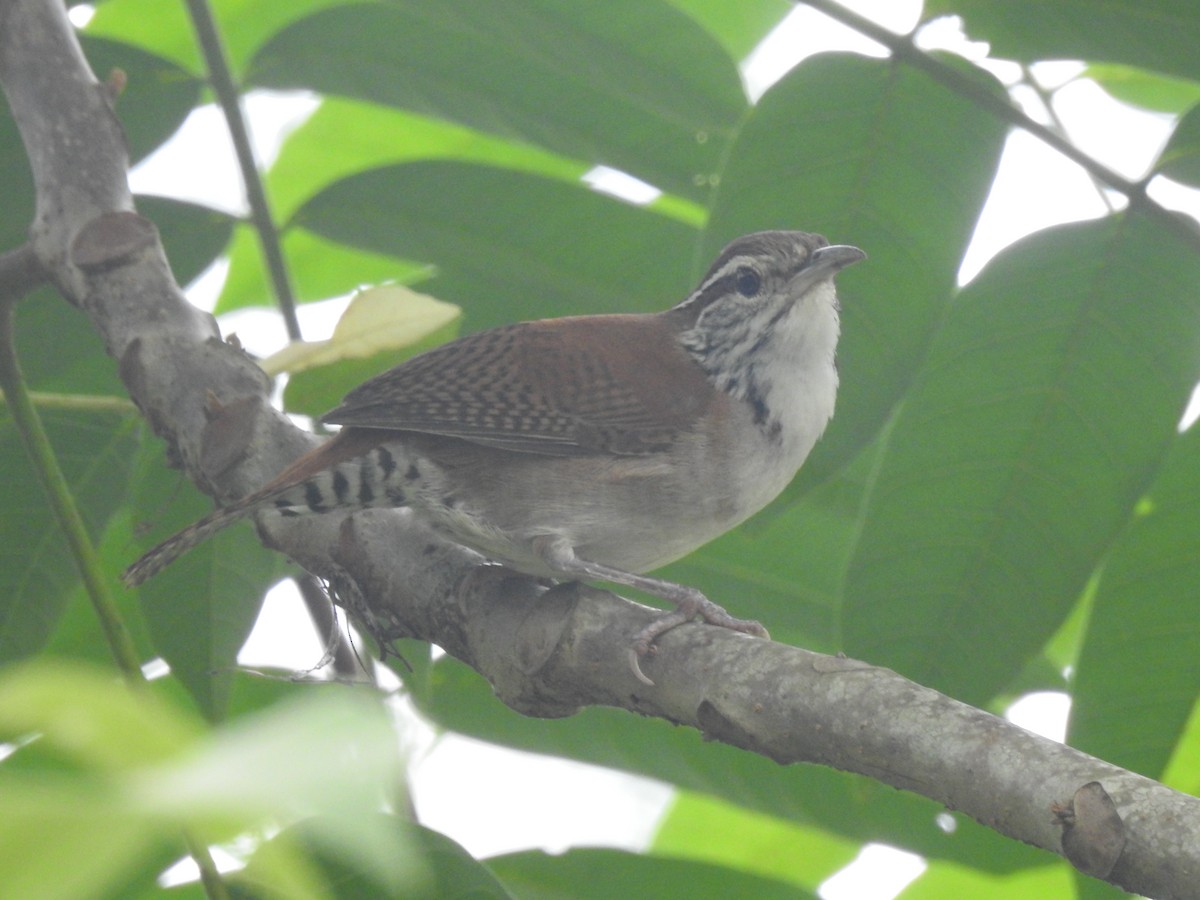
(564, 387)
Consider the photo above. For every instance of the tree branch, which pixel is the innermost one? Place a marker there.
(546, 652)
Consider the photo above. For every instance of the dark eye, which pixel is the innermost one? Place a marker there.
(747, 281)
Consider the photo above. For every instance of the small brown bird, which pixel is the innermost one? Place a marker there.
(592, 447)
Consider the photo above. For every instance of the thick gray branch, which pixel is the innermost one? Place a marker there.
(547, 653)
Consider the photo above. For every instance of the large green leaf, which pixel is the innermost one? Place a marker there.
(875, 154)
(136, 771)
(707, 829)
(165, 29)
(200, 609)
(1047, 404)
(633, 84)
(438, 868)
(319, 269)
(37, 572)
(1138, 674)
(59, 350)
(1155, 34)
(946, 881)
(1180, 159)
(60, 354)
(342, 138)
(739, 26)
(510, 245)
(157, 97)
(595, 874)
(18, 182)
(1150, 90)
(192, 235)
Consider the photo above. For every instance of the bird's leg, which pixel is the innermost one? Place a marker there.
(690, 604)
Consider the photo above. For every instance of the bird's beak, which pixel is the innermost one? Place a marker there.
(834, 259)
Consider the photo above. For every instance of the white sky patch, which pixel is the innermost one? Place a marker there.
(198, 162)
(804, 32)
(81, 14)
(879, 872)
(621, 185)
(519, 800)
(1042, 712)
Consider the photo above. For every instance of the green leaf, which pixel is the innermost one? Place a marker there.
(200, 609)
(346, 136)
(1161, 35)
(90, 716)
(157, 97)
(944, 881)
(327, 753)
(37, 571)
(1049, 399)
(67, 840)
(633, 84)
(166, 29)
(543, 247)
(320, 269)
(708, 830)
(438, 866)
(144, 771)
(1180, 159)
(59, 349)
(193, 236)
(1146, 89)
(18, 182)
(382, 327)
(603, 874)
(891, 162)
(60, 353)
(738, 26)
(1125, 711)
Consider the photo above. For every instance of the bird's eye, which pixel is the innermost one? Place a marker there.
(747, 281)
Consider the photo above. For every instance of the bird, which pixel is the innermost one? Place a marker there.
(592, 447)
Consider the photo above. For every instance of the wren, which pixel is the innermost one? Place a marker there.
(592, 448)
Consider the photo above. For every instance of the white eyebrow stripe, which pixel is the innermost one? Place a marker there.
(732, 265)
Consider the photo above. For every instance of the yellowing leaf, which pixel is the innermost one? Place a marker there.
(388, 317)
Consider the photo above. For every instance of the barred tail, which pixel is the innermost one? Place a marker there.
(351, 471)
(159, 557)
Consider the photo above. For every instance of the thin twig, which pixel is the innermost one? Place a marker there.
(1046, 98)
(62, 503)
(320, 609)
(83, 402)
(229, 99)
(903, 49)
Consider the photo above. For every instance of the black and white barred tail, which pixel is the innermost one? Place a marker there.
(304, 488)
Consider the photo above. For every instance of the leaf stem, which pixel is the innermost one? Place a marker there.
(62, 503)
(903, 49)
(81, 402)
(228, 98)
